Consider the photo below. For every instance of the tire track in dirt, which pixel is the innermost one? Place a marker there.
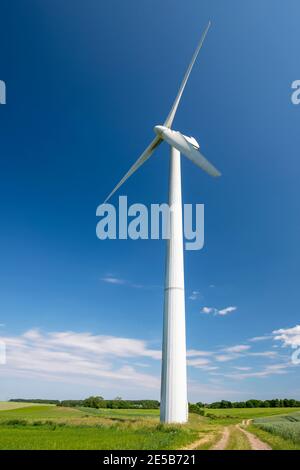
(194, 445)
(222, 443)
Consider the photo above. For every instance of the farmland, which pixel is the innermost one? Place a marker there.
(51, 427)
(35, 426)
(278, 429)
(12, 406)
(250, 413)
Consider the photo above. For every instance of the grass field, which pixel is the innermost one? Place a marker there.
(34, 426)
(51, 427)
(250, 413)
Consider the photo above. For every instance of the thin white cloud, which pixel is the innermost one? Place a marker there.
(221, 312)
(226, 357)
(248, 373)
(225, 311)
(207, 310)
(197, 352)
(141, 364)
(113, 280)
(256, 339)
(270, 354)
(232, 353)
(125, 282)
(198, 362)
(195, 295)
(288, 336)
(275, 369)
(238, 348)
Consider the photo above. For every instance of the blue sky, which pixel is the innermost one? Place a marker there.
(86, 83)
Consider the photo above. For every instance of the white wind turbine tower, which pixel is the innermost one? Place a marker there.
(174, 407)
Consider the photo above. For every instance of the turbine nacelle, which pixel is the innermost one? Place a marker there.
(188, 146)
(162, 131)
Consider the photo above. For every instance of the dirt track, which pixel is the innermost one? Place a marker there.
(222, 443)
(194, 445)
(256, 444)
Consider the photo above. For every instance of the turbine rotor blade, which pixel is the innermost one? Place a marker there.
(170, 118)
(140, 161)
(196, 157)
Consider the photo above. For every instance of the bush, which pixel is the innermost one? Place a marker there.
(15, 422)
(195, 408)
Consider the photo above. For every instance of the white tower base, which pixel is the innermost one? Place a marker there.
(174, 406)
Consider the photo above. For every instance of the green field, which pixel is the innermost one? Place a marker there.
(35, 426)
(51, 427)
(249, 413)
(280, 428)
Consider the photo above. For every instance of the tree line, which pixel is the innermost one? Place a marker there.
(96, 402)
(118, 403)
(253, 403)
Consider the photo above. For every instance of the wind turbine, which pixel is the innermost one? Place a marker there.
(174, 404)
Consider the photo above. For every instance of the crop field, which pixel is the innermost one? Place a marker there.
(9, 405)
(35, 426)
(286, 426)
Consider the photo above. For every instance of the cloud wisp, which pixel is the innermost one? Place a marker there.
(114, 280)
(288, 336)
(257, 339)
(221, 312)
(195, 295)
(272, 369)
(117, 281)
(238, 348)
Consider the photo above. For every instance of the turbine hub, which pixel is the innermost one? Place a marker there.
(159, 130)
